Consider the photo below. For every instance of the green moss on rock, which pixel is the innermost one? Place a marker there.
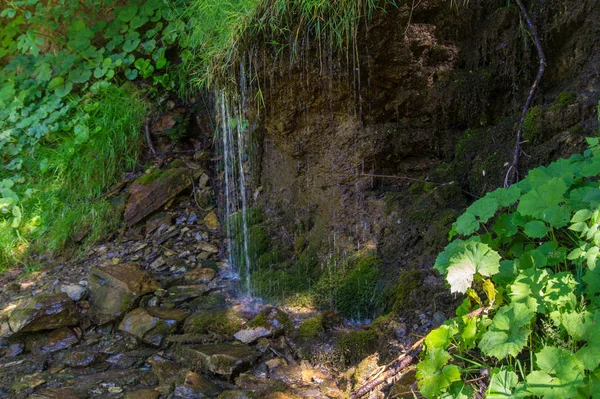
(311, 328)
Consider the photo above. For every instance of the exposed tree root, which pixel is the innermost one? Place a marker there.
(512, 176)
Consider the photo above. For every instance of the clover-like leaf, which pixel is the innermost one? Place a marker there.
(561, 373)
(508, 333)
(433, 375)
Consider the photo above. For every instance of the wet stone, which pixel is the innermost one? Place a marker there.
(143, 394)
(207, 247)
(121, 360)
(167, 372)
(224, 359)
(43, 312)
(55, 393)
(152, 325)
(269, 322)
(81, 359)
(115, 289)
(54, 341)
(196, 386)
(185, 293)
(200, 275)
(75, 291)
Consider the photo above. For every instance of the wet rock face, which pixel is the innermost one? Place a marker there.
(152, 325)
(43, 312)
(115, 289)
(224, 359)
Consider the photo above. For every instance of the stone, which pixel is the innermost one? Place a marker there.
(43, 312)
(196, 386)
(152, 325)
(81, 359)
(249, 335)
(212, 221)
(223, 321)
(207, 247)
(185, 293)
(55, 393)
(200, 275)
(54, 341)
(268, 323)
(226, 359)
(149, 192)
(115, 289)
(75, 291)
(15, 350)
(143, 394)
(121, 361)
(167, 372)
(235, 394)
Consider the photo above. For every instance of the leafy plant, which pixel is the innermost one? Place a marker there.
(527, 260)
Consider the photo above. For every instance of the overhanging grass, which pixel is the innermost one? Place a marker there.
(67, 175)
(221, 32)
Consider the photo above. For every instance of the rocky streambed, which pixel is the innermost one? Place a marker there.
(154, 314)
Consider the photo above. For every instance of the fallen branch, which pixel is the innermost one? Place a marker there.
(513, 172)
(392, 369)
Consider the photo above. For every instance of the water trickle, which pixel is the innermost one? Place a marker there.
(232, 129)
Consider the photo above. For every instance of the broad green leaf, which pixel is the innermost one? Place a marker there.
(592, 285)
(581, 216)
(528, 289)
(440, 337)
(8, 13)
(535, 202)
(17, 217)
(506, 196)
(466, 224)
(502, 384)
(508, 333)
(433, 375)
(54, 83)
(472, 258)
(560, 376)
(64, 89)
(536, 229)
(484, 208)
(127, 13)
(80, 75)
(458, 390)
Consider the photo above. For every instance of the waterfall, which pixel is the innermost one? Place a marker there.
(232, 129)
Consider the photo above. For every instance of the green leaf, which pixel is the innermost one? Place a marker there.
(506, 196)
(8, 13)
(528, 289)
(80, 75)
(560, 376)
(132, 41)
(484, 208)
(131, 74)
(127, 13)
(592, 285)
(433, 375)
(581, 216)
(502, 384)
(440, 337)
(466, 224)
(17, 217)
(508, 333)
(54, 83)
(536, 229)
(472, 258)
(535, 202)
(63, 89)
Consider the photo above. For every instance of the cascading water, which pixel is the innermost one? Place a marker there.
(233, 138)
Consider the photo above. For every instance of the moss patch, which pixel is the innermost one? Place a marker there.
(150, 178)
(532, 126)
(356, 345)
(311, 328)
(220, 321)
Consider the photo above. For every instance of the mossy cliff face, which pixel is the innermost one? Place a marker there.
(383, 146)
